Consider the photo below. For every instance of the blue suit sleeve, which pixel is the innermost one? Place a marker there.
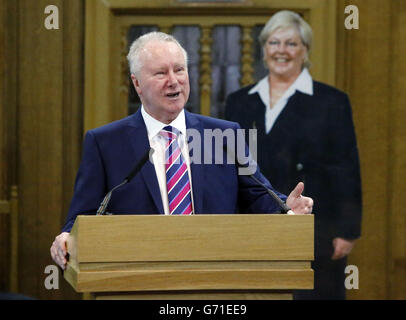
(253, 198)
(90, 184)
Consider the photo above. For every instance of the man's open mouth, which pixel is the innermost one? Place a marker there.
(173, 95)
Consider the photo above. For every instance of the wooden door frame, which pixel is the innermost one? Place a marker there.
(107, 21)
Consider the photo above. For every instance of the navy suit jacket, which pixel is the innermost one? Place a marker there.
(111, 151)
(313, 140)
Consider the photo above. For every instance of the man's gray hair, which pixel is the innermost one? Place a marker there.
(136, 47)
(289, 19)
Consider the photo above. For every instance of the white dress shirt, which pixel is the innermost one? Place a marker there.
(303, 83)
(158, 143)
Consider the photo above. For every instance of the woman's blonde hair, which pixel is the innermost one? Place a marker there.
(288, 19)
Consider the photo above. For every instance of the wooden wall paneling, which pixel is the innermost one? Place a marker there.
(48, 92)
(343, 56)
(8, 141)
(396, 244)
(4, 252)
(73, 95)
(97, 57)
(4, 205)
(3, 113)
(368, 84)
(40, 137)
(14, 245)
(322, 56)
(73, 110)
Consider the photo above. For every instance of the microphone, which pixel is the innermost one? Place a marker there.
(285, 208)
(130, 176)
(279, 201)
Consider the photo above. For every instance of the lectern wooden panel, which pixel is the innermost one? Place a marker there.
(191, 257)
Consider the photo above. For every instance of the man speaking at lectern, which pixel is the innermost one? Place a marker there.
(170, 183)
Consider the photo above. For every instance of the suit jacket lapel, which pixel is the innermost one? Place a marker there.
(192, 122)
(288, 118)
(257, 110)
(138, 137)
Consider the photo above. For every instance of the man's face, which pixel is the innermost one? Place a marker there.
(163, 81)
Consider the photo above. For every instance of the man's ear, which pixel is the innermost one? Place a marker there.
(136, 84)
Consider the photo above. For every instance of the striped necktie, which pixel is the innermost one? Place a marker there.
(177, 178)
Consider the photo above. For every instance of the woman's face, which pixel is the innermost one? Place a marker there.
(284, 53)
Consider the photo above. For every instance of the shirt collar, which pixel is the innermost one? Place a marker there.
(303, 83)
(154, 126)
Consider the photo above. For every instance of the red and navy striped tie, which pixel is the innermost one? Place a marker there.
(177, 178)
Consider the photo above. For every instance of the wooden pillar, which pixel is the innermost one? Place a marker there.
(50, 122)
(397, 155)
(124, 82)
(247, 56)
(8, 137)
(205, 70)
(374, 74)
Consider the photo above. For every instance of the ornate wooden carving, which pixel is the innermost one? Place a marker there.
(124, 63)
(205, 69)
(247, 56)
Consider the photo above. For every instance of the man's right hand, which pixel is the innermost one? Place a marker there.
(59, 251)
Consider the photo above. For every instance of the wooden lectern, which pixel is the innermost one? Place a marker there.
(250, 256)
